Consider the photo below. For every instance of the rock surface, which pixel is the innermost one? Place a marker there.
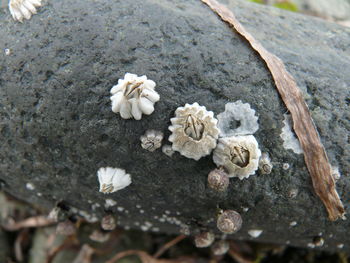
(57, 128)
(336, 9)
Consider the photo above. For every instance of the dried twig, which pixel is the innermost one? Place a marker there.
(67, 243)
(36, 221)
(146, 258)
(85, 254)
(168, 245)
(239, 252)
(22, 236)
(314, 153)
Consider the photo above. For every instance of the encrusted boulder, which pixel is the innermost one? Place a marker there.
(57, 127)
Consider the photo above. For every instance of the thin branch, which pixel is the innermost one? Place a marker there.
(314, 153)
(36, 221)
(146, 258)
(168, 245)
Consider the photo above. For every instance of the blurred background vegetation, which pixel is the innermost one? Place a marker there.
(27, 234)
(337, 11)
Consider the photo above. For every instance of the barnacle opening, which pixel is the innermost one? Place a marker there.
(239, 156)
(194, 127)
(107, 188)
(133, 87)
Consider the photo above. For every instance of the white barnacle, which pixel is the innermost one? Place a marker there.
(21, 9)
(265, 165)
(112, 179)
(151, 140)
(238, 154)
(194, 131)
(289, 139)
(134, 96)
(241, 116)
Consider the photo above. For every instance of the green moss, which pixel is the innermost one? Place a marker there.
(257, 1)
(287, 6)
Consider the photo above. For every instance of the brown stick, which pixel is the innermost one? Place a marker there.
(168, 245)
(36, 221)
(314, 153)
(145, 258)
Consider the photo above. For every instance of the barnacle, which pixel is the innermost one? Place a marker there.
(20, 9)
(168, 150)
(112, 179)
(242, 115)
(194, 131)
(288, 137)
(218, 180)
(134, 96)
(151, 140)
(265, 165)
(204, 239)
(229, 221)
(238, 154)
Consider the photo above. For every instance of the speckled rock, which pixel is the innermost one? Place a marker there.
(57, 128)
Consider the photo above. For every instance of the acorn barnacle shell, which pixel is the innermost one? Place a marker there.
(134, 96)
(112, 179)
(204, 239)
(21, 9)
(240, 113)
(194, 131)
(238, 154)
(151, 140)
(229, 221)
(218, 180)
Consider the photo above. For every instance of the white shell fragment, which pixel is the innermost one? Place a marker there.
(241, 114)
(21, 9)
(134, 96)
(255, 232)
(151, 140)
(112, 179)
(290, 141)
(194, 131)
(238, 154)
(335, 172)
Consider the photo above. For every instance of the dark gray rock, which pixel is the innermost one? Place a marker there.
(57, 128)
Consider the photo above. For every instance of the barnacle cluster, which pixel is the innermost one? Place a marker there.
(241, 114)
(21, 9)
(194, 131)
(112, 179)
(238, 154)
(134, 96)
